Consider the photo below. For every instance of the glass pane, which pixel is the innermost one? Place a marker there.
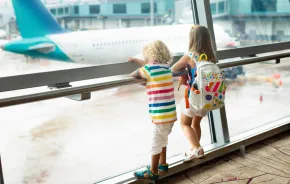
(66, 141)
(257, 96)
(241, 23)
(100, 39)
(94, 9)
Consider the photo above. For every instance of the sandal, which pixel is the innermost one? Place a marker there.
(190, 155)
(151, 176)
(162, 167)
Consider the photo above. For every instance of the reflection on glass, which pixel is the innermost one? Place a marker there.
(100, 32)
(257, 96)
(66, 141)
(252, 22)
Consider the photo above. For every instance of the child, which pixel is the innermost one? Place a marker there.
(160, 90)
(199, 45)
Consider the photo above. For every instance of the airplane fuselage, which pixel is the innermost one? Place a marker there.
(105, 46)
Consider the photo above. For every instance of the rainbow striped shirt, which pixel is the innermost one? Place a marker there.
(160, 89)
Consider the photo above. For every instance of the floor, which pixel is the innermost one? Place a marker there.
(266, 162)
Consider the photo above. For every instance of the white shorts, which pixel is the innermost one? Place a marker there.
(191, 112)
(160, 134)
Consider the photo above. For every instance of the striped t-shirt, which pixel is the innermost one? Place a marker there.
(160, 90)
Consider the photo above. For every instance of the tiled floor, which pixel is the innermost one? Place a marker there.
(266, 162)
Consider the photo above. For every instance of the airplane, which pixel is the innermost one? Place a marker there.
(3, 34)
(43, 37)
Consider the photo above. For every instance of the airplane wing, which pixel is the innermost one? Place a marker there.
(43, 47)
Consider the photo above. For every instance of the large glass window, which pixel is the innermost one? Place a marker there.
(119, 8)
(257, 94)
(146, 7)
(264, 5)
(60, 11)
(75, 49)
(65, 141)
(247, 23)
(221, 7)
(76, 10)
(66, 10)
(94, 9)
(213, 8)
(53, 11)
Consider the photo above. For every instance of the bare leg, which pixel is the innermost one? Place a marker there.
(162, 159)
(154, 163)
(189, 132)
(196, 126)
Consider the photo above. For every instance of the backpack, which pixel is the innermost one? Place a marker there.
(207, 92)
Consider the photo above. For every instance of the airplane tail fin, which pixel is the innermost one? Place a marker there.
(34, 20)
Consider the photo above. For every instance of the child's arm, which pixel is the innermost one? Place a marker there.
(141, 62)
(181, 64)
(135, 74)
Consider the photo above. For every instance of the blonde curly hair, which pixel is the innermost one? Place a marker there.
(158, 52)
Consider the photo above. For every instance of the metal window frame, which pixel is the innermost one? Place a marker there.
(217, 118)
(1, 172)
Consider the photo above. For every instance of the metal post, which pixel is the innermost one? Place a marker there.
(1, 173)
(194, 11)
(218, 118)
(152, 12)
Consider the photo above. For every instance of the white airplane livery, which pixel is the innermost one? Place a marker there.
(43, 37)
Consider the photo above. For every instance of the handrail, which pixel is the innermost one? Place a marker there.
(111, 84)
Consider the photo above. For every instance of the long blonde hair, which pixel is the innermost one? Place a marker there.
(200, 42)
(158, 52)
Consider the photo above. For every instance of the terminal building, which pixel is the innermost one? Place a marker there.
(265, 20)
(247, 19)
(113, 14)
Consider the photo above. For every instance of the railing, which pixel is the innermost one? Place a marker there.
(57, 93)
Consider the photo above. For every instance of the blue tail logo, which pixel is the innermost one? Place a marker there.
(34, 20)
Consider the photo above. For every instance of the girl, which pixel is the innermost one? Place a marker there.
(160, 90)
(199, 44)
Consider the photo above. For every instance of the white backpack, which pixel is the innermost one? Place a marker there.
(210, 82)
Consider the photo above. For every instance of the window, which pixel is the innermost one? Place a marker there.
(221, 6)
(146, 7)
(94, 9)
(60, 11)
(264, 5)
(119, 8)
(235, 20)
(66, 10)
(76, 10)
(75, 23)
(213, 8)
(53, 11)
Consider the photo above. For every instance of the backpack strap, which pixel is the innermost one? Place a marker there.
(201, 56)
